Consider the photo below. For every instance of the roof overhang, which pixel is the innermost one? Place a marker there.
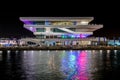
(88, 19)
(83, 28)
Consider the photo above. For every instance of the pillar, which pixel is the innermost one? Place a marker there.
(114, 40)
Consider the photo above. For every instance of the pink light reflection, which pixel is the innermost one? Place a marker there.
(81, 67)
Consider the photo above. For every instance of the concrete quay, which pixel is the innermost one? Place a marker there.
(61, 48)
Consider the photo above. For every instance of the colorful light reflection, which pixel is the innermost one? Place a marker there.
(81, 67)
(75, 65)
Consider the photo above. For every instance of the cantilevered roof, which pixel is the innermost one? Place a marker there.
(56, 19)
(71, 26)
(79, 28)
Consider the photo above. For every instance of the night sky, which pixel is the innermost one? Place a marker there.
(11, 26)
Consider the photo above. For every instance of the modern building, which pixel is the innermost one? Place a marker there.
(62, 30)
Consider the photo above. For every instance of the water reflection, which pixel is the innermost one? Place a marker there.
(77, 65)
(60, 65)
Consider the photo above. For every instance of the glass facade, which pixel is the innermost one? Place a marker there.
(40, 29)
(40, 36)
(57, 30)
(60, 22)
(73, 29)
(39, 22)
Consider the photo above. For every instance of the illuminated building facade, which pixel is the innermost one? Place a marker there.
(60, 27)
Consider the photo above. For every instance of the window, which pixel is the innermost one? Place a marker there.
(57, 30)
(40, 29)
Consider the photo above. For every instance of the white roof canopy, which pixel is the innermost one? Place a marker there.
(56, 19)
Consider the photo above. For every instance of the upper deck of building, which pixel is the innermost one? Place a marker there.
(88, 19)
(77, 23)
(56, 20)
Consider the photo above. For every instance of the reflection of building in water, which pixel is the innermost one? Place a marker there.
(75, 66)
(114, 59)
(68, 64)
(61, 30)
(78, 65)
(51, 62)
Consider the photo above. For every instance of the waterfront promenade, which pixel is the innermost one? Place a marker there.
(61, 48)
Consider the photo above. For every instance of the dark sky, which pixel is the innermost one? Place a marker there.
(11, 26)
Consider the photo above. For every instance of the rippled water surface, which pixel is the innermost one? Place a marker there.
(60, 65)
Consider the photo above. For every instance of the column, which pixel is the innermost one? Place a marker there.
(98, 40)
(114, 40)
(48, 29)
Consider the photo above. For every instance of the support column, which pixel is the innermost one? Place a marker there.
(114, 40)
(98, 40)
(48, 29)
(104, 41)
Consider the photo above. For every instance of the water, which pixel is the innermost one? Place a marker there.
(60, 65)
